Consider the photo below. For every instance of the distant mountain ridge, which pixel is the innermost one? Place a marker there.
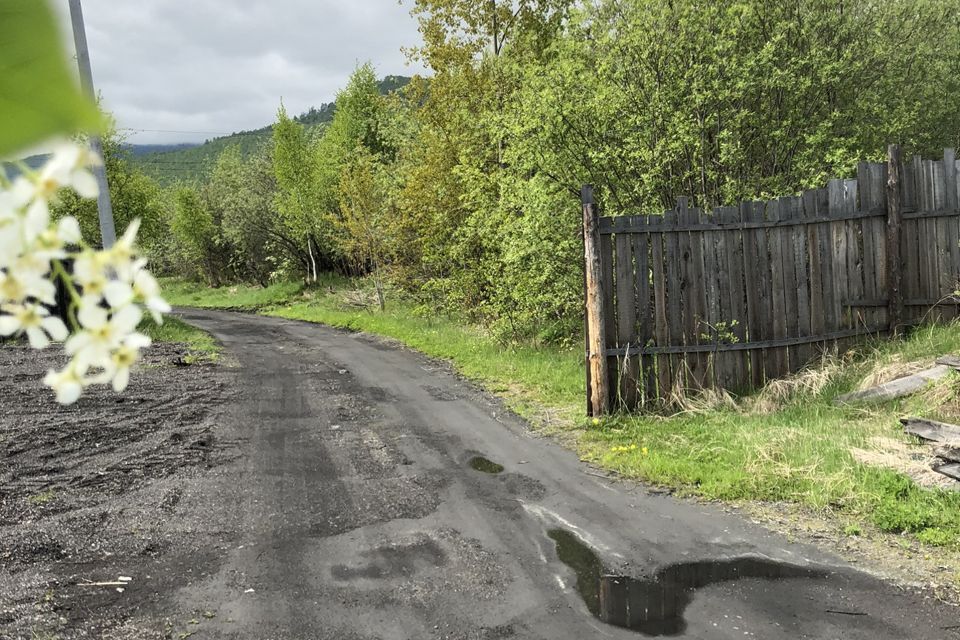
(189, 162)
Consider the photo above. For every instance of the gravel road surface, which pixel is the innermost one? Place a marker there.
(373, 494)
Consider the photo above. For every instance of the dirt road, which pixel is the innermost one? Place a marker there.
(367, 500)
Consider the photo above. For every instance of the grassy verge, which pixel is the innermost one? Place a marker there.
(787, 443)
(239, 298)
(201, 344)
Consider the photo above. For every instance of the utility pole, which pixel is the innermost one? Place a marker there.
(108, 232)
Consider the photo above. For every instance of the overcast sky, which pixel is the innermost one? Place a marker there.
(219, 66)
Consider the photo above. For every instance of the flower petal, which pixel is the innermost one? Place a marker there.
(121, 379)
(55, 327)
(126, 319)
(118, 294)
(69, 230)
(84, 183)
(9, 325)
(38, 338)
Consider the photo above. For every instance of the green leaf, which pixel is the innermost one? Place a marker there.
(38, 96)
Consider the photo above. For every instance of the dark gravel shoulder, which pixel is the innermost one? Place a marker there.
(85, 489)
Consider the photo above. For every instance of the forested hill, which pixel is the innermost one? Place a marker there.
(191, 163)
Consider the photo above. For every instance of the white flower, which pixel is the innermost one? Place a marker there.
(106, 344)
(124, 357)
(11, 236)
(18, 285)
(67, 384)
(147, 291)
(90, 274)
(144, 289)
(122, 256)
(101, 334)
(69, 167)
(51, 243)
(36, 321)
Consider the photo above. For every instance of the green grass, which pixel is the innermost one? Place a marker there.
(43, 498)
(241, 298)
(791, 446)
(201, 344)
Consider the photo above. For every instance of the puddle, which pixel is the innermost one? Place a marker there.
(656, 605)
(487, 466)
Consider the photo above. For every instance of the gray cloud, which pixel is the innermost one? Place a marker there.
(221, 66)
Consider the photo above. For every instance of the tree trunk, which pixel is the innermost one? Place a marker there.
(312, 275)
(378, 283)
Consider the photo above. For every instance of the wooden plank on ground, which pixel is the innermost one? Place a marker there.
(947, 452)
(950, 469)
(894, 389)
(940, 432)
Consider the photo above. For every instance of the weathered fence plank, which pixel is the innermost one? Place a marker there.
(648, 373)
(754, 290)
(626, 319)
(894, 244)
(661, 332)
(674, 294)
(779, 364)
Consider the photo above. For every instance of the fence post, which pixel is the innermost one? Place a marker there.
(894, 223)
(598, 391)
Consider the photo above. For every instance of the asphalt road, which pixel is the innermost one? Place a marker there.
(354, 512)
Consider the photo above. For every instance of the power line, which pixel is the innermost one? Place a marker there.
(215, 133)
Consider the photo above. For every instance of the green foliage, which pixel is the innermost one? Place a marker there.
(364, 215)
(197, 233)
(194, 164)
(38, 98)
(731, 100)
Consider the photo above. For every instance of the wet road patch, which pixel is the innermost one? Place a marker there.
(656, 605)
(394, 561)
(479, 463)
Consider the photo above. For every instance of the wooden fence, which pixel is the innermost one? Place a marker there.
(732, 298)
